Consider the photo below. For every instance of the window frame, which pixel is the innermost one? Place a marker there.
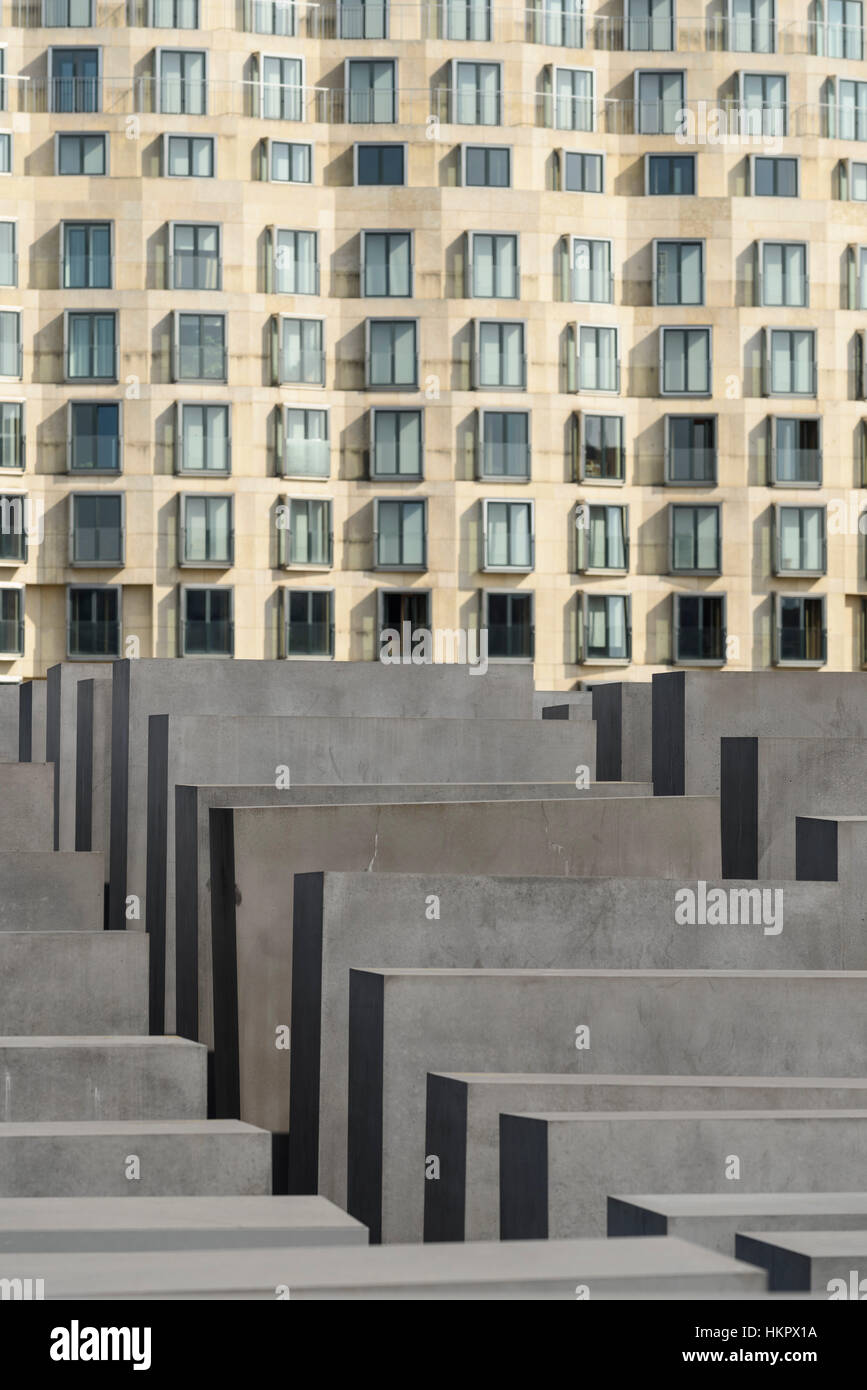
(177, 314)
(11, 586)
(277, 320)
(485, 565)
(165, 160)
(476, 374)
(387, 232)
(579, 433)
(183, 562)
(581, 552)
(283, 471)
(402, 502)
(159, 52)
(289, 501)
(676, 571)
(792, 158)
(368, 358)
(369, 59)
(701, 243)
(183, 620)
(773, 451)
(103, 588)
(272, 232)
(574, 239)
(527, 596)
(554, 68)
(74, 497)
(685, 328)
(497, 63)
(668, 450)
(577, 328)
(562, 163)
(474, 145)
(767, 363)
(582, 656)
(180, 471)
(285, 592)
(23, 556)
(637, 103)
(64, 47)
(650, 155)
(480, 441)
(173, 225)
(403, 145)
(21, 467)
(777, 659)
(91, 313)
(761, 245)
(470, 253)
(93, 472)
(703, 595)
(65, 224)
(776, 540)
(372, 471)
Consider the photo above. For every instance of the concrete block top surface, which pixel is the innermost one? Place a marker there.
(690, 1083)
(815, 1245)
(656, 1117)
(672, 975)
(180, 1213)
(81, 1129)
(748, 1204)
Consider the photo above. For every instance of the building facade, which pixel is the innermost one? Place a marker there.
(318, 320)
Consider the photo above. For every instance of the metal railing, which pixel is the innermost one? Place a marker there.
(94, 452)
(203, 638)
(12, 635)
(94, 638)
(306, 458)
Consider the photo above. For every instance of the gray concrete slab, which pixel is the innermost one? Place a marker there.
(26, 806)
(93, 1159)
(81, 1224)
(579, 702)
(828, 1262)
(256, 852)
(61, 737)
(32, 710)
(558, 1169)
(102, 1078)
(622, 711)
(50, 890)
(406, 1023)
(8, 721)
(713, 1219)
(417, 920)
(323, 689)
(484, 1270)
(69, 982)
(463, 1127)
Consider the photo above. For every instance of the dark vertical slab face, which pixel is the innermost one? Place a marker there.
(555, 712)
(816, 849)
(84, 766)
(25, 722)
(52, 741)
(227, 1081)
(366, 1059)
(608, 714)
(523, 1178)
(304, 1058)
(739, 807)
(789, 1271)
(628, 1219)
(155, 877)
(445, 1197)
(120, 677)
(668, 737)
(186, 912)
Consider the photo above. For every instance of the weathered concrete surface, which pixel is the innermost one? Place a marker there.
(102, 1078)
(406, 1023)
(486, 1270)
(176, 1224)
(47, 890)
(623, 714)
(714, 1219)
(177, 1158)
(26, 806)
(463, 1127)
(693, 710)
(357, 919)
(557, 1170)
(330, 690)
(68, 982)
(8, 722)
(256, 852)
(61, 737)
(800, 1261)
(32, 710)
(93, 768)
(579, 702)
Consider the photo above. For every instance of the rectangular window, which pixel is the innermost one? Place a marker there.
(207, 532)
(392, 353)
(476, 95)
(207, 622)
(678, 272)
(493, 264)
(304, 532)
(203, 438)
(841, 35)
(507, 535)
(790, 361)
(387, 261)
(96, 530)
(363, 19)
(195, 256)
(93, 622)
(504, 444)
(751, 26)
(67, 14)
(699, 629)
(685, 362)
(763, 104)
(14, 520)
(783, 273)
(86, 255)
(695, 539)
(301, 355)
(12, 439)
(10, 343)
(598, 358)
(82, 154)
(660, 97)
(466, 20)
(5, 147)
(500, 355)
(510, 626)
(574, 99)
(200, 347)
(288, 161)
(371, 91)
(94, 437)
(604, 628)
(308, 624)
(857, 181)
(799, 630)
(12, 620)
(295, 261)
(306, 443)
(281, 90)
(174, 14)
(182, 81)
(667, 175)
(602, 537)
(400, 539)
(650, 25)
(799, 540)
(774, 176)
(601, 448)
(273, 17)
(851, 110)
(74, 79)
(397, 607)
(592, 277)
(487, 166)
(8, 253)
(581, 173)
(189, 156)
(380, 165)
(91, 346)
(395, 444)
(796, 451)
(690, 449)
